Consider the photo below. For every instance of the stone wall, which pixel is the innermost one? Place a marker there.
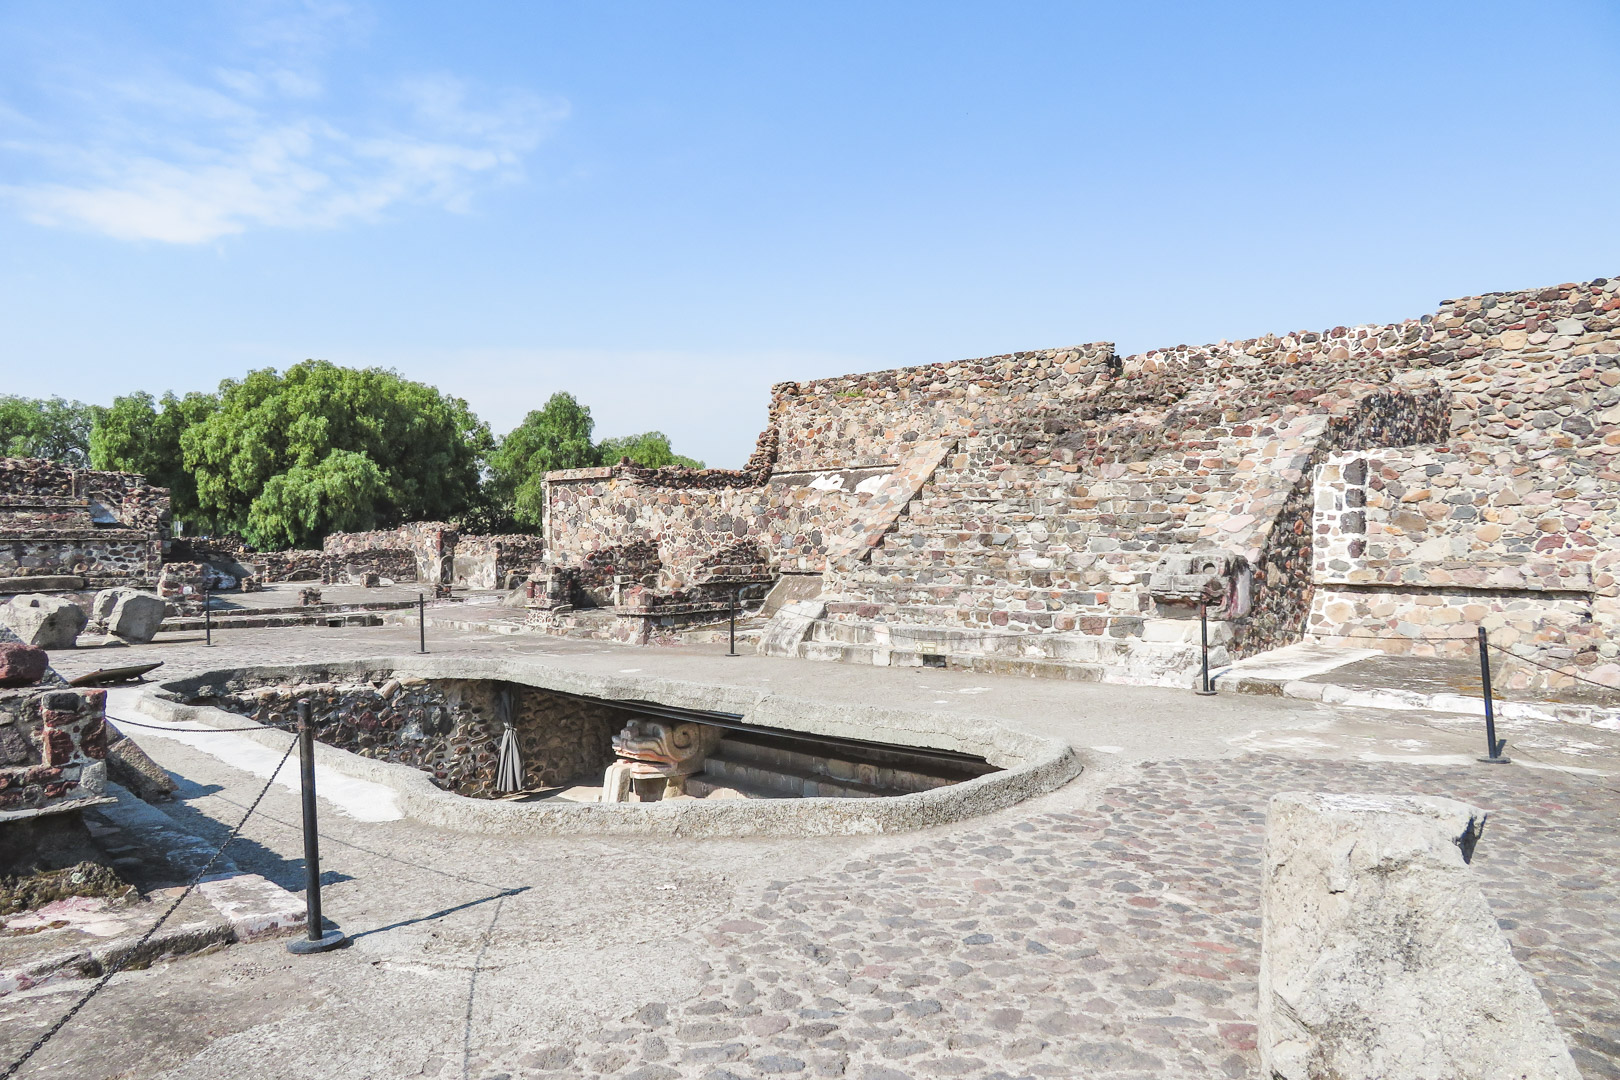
(450, 729)
(430, 545)
(1417, 549)
(55, 521)
(289, 565)
(490, 562)
(53, 748)
(1051, 485)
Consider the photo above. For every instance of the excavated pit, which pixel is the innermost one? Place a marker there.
(433, 729)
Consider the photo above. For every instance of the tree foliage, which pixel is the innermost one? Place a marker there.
(46, 428)
(286, 457)
(557, 436)
(650, 450)
(137, 435)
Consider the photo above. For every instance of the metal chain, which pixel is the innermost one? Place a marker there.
(130, 953)
(198, 731)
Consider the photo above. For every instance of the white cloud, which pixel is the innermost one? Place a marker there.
(261, 144)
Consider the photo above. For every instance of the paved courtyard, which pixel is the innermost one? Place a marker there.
(1109, 929)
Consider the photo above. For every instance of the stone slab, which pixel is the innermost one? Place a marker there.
(1380, 956)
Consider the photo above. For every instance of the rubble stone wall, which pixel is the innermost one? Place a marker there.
(53, 748)
(429, 544)
(57, 521)
(289, 565)
(1418, 548)
(450, 728)
(487, 562)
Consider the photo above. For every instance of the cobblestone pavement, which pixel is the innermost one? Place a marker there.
(1108, 930)
(1121, 941)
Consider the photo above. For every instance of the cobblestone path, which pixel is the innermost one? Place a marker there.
(1119, 941)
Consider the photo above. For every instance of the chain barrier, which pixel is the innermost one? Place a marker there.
(131, 953)
(1549, 667)
(192, 731)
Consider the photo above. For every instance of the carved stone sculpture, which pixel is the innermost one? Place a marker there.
(1220, 579)
(655, 758)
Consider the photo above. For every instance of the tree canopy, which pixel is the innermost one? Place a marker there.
(557, 436)
(46, 428)
(283, 458)
(650, 450)
(136, 435)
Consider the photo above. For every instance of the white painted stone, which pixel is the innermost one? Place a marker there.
(255, 908)
(1380, 957)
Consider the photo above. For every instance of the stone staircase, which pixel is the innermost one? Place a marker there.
(760, 766)
(1020, 570)
(1164, 652)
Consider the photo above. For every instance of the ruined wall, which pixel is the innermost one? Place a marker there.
(426, 549)
(56, 521)
(1418, 548)
(289, 565)
(450, 728)
(488, 562)
(53, 748)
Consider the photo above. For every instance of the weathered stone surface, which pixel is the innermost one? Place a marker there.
(49, 622)
(1380, 956)
(21, 665)
(789, 626)
(135, 616)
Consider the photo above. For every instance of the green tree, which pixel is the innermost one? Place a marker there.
(555, 437)
(136, 435)
(46, 428)
(650, 450)
(285, 457)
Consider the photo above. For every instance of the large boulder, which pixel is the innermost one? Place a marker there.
(135, 616)
(21, 665)
(46, 621)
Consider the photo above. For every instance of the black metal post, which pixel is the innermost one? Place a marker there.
(1204, 688)
(1493, 747)
(208, 617)
(421, 620)
(316, 938)
(736, 599)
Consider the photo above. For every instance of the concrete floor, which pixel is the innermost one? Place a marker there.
(1107, 929)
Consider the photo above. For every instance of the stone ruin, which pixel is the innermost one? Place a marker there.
(70, 530)
(1066, 512)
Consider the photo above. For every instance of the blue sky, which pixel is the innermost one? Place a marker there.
(665, 208)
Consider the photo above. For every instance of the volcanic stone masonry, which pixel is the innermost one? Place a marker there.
(450, 729)
(77, 529)
(1019, 512)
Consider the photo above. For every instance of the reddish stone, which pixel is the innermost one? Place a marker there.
(21, 665)
(58, 747)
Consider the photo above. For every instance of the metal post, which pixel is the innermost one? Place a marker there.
(1204, 689)
(735, 600)
(317, 938)
(1493, 747)
(208, 617)
(421, 620)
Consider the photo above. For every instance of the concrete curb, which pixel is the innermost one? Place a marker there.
(1032, 764)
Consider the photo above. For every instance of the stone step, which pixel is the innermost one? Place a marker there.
(781, 782)
(881, 779)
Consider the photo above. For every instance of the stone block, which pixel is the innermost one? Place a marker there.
(135, 615)
(49, 622)
(21, 665)
(1380, 956)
